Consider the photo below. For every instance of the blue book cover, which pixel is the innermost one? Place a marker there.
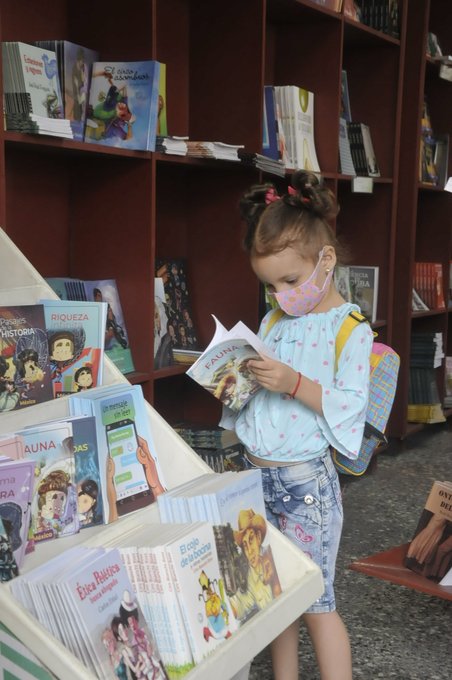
(88, 482)
(270, 145)
(76, 337)
(127, 455)
(123, 104)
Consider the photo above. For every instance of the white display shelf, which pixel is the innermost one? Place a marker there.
(300, 578)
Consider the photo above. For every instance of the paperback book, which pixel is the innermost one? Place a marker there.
(87, 475)
(222, 368)
(76, 336)
(54, 501)
(180, 325)
(126, 452)
(123, 104)
(16, 490)
(25, 373)
(360, 286)
(430, 550)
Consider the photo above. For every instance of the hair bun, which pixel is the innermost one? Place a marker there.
(309, 192)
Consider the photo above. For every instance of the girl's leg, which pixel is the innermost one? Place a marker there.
(284, 652)
(331, 645)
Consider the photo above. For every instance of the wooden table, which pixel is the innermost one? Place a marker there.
(388, 565)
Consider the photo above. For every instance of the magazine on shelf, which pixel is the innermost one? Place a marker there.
(222, 368)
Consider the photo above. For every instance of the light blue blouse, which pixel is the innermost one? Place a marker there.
(275, 427)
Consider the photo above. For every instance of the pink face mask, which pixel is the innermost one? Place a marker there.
(304, 298)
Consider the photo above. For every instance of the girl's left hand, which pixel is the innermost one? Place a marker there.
(273, 375)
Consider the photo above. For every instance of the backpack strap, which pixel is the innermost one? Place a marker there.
(352, 320)
(276, 315)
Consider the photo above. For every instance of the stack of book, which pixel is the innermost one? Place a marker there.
(264, 163)
(220, 449)
(31, 91)
(217, 150)
(176, 146)
(424, 403)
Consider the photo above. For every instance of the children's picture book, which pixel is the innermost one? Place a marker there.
(87, 475)
(180, 326)
(127, 455)
(8, 564)
(54, 502)
(16, 490)
(116, 345)
(25, 374)
(76, 336)
(208, 615)
(74, 71)
(123, 104)
(222, 368)
(430, 550)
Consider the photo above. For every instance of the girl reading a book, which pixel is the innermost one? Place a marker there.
(307, 405)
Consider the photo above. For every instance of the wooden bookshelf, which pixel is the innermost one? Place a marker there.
(90, 211)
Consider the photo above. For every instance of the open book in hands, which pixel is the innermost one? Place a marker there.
(222, 368)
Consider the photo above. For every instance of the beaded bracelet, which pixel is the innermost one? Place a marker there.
(295, 390)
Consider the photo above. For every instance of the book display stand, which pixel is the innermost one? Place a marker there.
(301, 580)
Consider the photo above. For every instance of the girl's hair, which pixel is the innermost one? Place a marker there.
(297, 218)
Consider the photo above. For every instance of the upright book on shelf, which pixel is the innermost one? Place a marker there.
(123, 104)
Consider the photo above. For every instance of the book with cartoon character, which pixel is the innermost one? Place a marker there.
(193, 563)
(222, 368)
(87, 475)
(76, 337)
(17, 483)
(25, 377)
(54, 504)
(123, 104)
(97, 616)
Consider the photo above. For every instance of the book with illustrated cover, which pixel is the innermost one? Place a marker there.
(8, 565)
(162, 118)
(123, 104)
(180, 326)
(76, 336)
(74, 71)
(345, 154)
(430, 550)
(360, 286)
(25, 375)
(164, 331)
(301, 106)
(97, 614)
(54, 502)
(116, 344)
(234, 503)
(16, 490)
(222, 367)
(87, 475)
(128, 463)
(194, 567)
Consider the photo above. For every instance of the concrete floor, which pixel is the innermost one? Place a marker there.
(395, 632)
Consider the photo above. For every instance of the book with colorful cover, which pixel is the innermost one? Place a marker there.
(76, 336)
(74, 72)
(162, 120)
(54, 502)
(123, 104)
(87, 475)
(208, 615)
(301, 102)
(359, 285)
(25, 375)
(16, 490)
(222, 367)
(180, 324)
(128, 461)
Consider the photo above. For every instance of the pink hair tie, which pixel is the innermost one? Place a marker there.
(271, 196)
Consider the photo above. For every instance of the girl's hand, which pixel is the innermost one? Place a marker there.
(273, 375)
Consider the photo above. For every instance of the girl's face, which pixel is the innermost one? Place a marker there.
(283, 270)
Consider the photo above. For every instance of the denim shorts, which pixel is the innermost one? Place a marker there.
(304, 502)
